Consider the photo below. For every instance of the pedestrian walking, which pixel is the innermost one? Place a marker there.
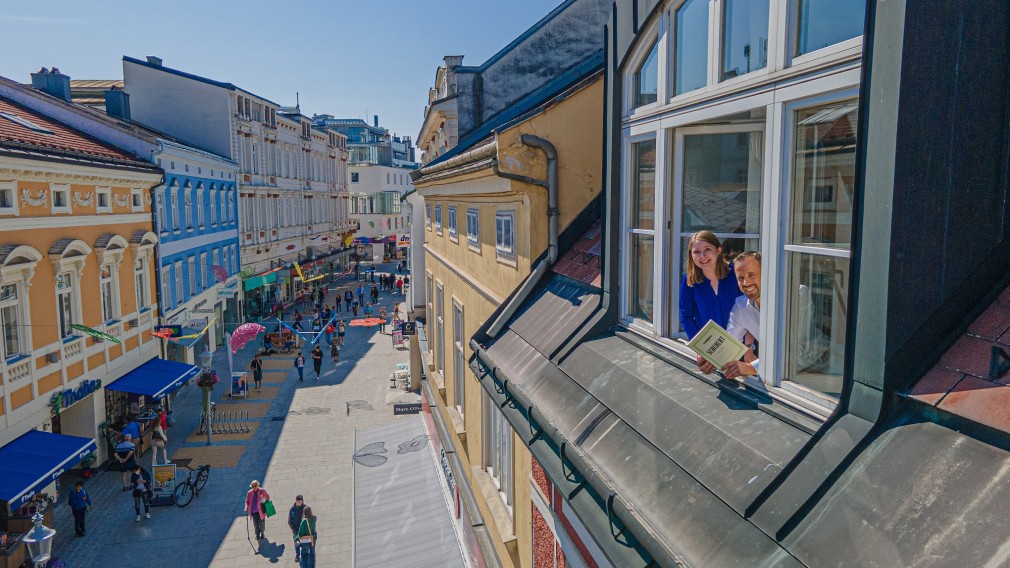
(341, 331)
(382, 314)
(330, 330)
(142, 490)
(254, 499)
(348, 297)
(375, 294)
(368, 310)
(399, 286)
(295, 515)
(306, 536)
(80, 503)
(159, 441)
(298, 321)
(317, 360)
(300, 365)
(335, 352)
(354, 308)
(125, 454)
(257, 367)
(321, 296)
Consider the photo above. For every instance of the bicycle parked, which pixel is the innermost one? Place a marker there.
(192, 485)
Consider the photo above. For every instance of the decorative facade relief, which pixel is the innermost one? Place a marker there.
(39, 200)
(120, 200)
(84, 199)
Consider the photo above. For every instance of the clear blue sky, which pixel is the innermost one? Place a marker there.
(345, 58)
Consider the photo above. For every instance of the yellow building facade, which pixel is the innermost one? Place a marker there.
(486, 226)
(76, 247)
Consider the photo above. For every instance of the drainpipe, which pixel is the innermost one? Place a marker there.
(551, 183)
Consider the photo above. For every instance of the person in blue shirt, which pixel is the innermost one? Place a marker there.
(709, 289)
(132, 430)
(79, 502)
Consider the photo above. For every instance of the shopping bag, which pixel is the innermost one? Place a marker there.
(268, 508)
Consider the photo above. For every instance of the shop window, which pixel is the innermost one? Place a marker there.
(821, 23)
(817, 249)
(498, 449)
(505, 222)
(647, 78)
(744, 37)
(641, 229)
(451, 221)
(691, 47)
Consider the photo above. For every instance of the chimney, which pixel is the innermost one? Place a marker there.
(53, 82)
(375, 120)
(117, 103)
(154, 60)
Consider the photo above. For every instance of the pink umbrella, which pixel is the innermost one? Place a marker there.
(244, 334)
(220, 274)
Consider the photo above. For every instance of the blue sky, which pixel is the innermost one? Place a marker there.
(346, 58)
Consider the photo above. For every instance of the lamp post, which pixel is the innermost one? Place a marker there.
(40, 542)
(206, 360)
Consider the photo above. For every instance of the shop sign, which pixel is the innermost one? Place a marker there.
(407, 408)
(203, 311)
(63, 400)
(199, 304)
(404, 241)
(409, 328)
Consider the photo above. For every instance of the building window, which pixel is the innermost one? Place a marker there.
(179, 297)
(428, 289)
(438, 219)
(459, 364)
(136, 199)
(647, 78)
(504, 233)
(66, 305)
(473, 227)
(166, 289)
(817, 248)
(61, 197)
(641, 229)
(439, 329)
(205, 270)
(191, 267)
(103, 196)
(187, 198)
(214, 202)
(176, 212)
(11, 318)
(820, 24)
(744, 37)
(200, 219)
(427, 216)
(161, 219)
(110, 303)
(451, 220)
(231, 206)
(8, 198)
(691, 49)
(140, 282)
(498, 449)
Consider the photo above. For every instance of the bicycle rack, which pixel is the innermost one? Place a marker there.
(245, 422)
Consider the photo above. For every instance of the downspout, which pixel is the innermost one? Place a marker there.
(551, 183)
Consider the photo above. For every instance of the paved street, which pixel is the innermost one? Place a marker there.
(301, 444)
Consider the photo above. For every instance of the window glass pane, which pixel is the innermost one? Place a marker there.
(825, 22)
(12, 337)
(744, 37)
(643, 190)
(646, 78)
(691, 60)
(824, 160)
(815, 333)
(65, 313)
(640, 277)
(722, 182)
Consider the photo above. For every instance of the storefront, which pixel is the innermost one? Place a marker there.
(260, 295)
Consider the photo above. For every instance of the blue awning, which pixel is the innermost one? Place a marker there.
(156, 378)
(36, 459)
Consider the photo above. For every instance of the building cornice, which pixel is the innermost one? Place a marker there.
(23, 169)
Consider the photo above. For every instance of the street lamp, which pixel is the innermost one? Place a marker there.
(40, 542)
(206, 360)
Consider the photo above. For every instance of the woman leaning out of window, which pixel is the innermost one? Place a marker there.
(709, 289)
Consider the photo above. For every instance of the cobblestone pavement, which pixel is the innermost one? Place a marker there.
(302, 445)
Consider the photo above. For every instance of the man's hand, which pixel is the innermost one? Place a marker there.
(735, 369)
(703, 365)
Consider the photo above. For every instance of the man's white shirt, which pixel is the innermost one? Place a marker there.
(744, 317)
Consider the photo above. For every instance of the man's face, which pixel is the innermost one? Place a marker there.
(748, 277)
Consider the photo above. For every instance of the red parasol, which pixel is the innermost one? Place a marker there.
(367, 322)
(244, 334)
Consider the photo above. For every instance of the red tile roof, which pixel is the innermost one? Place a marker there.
(582, 261)
(960, 383)
(61, 138)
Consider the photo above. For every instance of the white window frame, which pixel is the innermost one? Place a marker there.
(166, 288)
(62, 189)
(136, 199)
(498, 451)
(20, 275)
(10, 188)
(161, 216)
(191, 274)
(187, 200)
(438, 219)
(215, 197)
(204, 271)
(73, 299)
(459, 362)
(627, 180)
(440, 327)
(110, 304)
(176, 214)
(427, 216)
(501, 250)
(451, 223)
(180, 291)
(473, 229)
(18, 303)
(105, 192)
(200, 210)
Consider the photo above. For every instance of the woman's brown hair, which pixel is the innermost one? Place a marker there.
(307, 513)
(694, 274)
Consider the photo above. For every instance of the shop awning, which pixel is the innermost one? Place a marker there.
(36, 459)
(156, 378)
(259, 281)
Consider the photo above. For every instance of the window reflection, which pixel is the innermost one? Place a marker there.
(641, 277)
(643, 197)
(744, 37)
(646, 78)
(691, 60)
(826, 22)
(722, 182)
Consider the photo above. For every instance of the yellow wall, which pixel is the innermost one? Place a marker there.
(478, 280)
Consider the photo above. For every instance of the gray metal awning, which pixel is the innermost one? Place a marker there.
(401, 513)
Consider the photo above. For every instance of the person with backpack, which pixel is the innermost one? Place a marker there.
(300, 365)
(254, 500)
